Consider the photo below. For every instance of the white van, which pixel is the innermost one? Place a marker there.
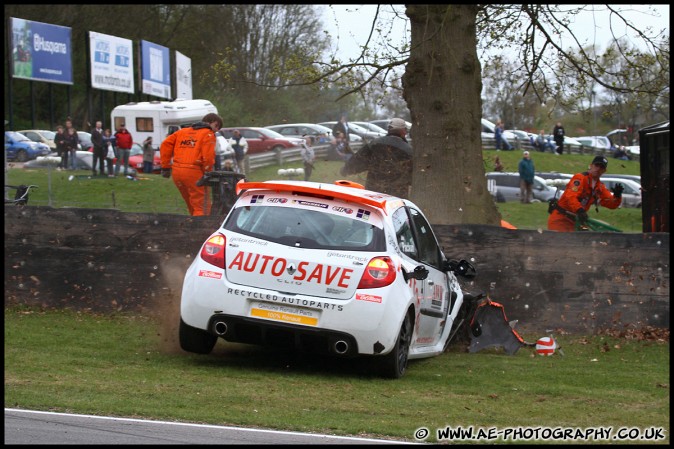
(159, 118)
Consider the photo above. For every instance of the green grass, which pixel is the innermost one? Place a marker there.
(155, 194)
(124, 365)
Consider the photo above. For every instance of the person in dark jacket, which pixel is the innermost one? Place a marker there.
(558, 135)
(388, 161)
(526, 170)
(99, 148)
(60, 142)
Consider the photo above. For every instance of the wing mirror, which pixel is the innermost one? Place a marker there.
(461, 268)
(420, 273)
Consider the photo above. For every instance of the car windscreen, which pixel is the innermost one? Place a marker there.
(305, 228)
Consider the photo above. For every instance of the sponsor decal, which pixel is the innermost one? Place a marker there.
(334, 291)
(256, 199)
(348, 256)
(210, 274)
(311, 204)
(364, 214)
(250, 294)
(346, 210)
(277, 200)
(422, 340)
(269, 265)
(248, 240)
(369, 298)
(279, 312)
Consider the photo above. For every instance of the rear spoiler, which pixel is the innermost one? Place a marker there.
(356, 197)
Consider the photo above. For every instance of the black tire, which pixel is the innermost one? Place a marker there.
(277, 148)
(394, 364)
(499, 197)
(196, 340)
(21, 156)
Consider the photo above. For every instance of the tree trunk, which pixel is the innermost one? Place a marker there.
(442, 87)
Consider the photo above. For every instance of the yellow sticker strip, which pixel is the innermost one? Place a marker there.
(283, 316)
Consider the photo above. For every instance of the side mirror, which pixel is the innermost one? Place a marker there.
(420, 273)
(461, 268)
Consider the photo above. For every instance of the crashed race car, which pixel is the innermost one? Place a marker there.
(331, 268)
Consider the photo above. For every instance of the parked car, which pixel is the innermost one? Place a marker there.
(507, 187)
(488, 132)
(329, 268)
(383, 124)
(522, 136)
(599, 142)
(263, 139)
(136, 159)
(631, 193)
(635, 178)
(41, 136)
(20, 148)
(85, 140)
(554, 179)
(363, 133)
(372, 127)
(319, 134)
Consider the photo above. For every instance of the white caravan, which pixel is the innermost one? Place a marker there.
(159, 118)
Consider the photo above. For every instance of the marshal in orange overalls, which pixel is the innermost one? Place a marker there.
(580, 193)
(189, 153)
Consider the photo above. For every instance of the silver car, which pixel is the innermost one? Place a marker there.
(506, 187)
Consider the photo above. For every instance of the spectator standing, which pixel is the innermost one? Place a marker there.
(99, 148)
(558, 134)
(388, 161)
(500, 140)
(72, 149)
(583, 190)
(240, 146)
(71, 142)
(527, 171)
(341, 126)
(187, 155)
(341, 147)
(308, 157)
(124, 144)
(223, 150)
(148, 155)
(60, 142)
(110, 144)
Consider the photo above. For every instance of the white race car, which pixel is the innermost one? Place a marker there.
(332, 268)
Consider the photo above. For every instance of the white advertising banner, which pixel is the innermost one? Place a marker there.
(183, 76)
(111, 62)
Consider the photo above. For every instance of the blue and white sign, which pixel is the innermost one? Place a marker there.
(156, 70)
(41, 52)
(111, 63)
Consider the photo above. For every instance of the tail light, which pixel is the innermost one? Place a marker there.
(213, 250)
(380, 272)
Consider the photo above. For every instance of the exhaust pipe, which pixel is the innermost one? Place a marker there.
(341, 347)
(220, 328)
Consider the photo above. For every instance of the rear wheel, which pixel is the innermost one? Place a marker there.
(394, 364)
(21, 156)
(196, 340)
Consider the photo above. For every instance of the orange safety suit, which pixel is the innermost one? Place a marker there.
(189, 153)
(580, 193)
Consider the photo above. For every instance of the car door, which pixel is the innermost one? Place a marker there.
(256, 143)
(432, 293)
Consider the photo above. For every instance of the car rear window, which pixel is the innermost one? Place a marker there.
(306, 228)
